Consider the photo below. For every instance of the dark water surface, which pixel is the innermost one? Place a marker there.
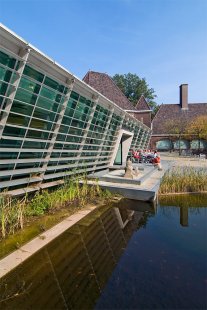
(126, 256)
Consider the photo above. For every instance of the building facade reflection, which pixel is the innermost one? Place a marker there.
(71, 271)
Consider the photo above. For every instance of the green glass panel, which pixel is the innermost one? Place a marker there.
(25, 96)
(77, 124)
(14, 131)
(87, 110)
(89, 103)
(71, 104)
(10, 143)
(18, 120)
(3, 88)
(6, 167)
(50, 94)
(22, 108)
(52, 163)
(7, 60)
(93, 122)
(31, 155)
(62, 89)
(14, 77)
(58, 98)
(33, 73)
(82, 99)
(78, 115)
(29, 85)
(1, 101)
(37, 134)
(63, 129)
(36, 123)
(53, 84)
(61, 137)
(56, 117)
(5, 75)
(80, 108)
(73, 139)
(69, 112)
(10, 90)
(65, 90)
(50, 172)
(75, 131)
(17, 65)
(74, 95)
(55, 155)
(58, 146)
(9, 155)
(28, 165)
(66, 120)
(56, 108)
(3, 179)
(44, 103)
(42, 114)
(34, 145)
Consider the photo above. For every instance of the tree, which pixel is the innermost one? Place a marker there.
(198, 127)
(133, 87)
(176, 127)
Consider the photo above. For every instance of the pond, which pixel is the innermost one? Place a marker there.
(127, 256)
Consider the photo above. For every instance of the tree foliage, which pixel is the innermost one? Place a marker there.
(176, 127)
(198, 127)
(133, 87)
(182, 127)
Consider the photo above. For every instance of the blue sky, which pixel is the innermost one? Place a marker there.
(164, 41)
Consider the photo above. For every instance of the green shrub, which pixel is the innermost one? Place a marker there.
(14, 211)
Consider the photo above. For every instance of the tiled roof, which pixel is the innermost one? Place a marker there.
(106, 86)
(142, 104)
(174, 112)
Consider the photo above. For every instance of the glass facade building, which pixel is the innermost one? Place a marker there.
(52, 124)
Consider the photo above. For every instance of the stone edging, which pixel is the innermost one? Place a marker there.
(182, 193)
(17, 257)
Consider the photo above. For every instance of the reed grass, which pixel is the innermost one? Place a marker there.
(14, 212)
(184, 179)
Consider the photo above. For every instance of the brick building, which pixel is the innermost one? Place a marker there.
(161, 138)
(104, 84)
(184, 113)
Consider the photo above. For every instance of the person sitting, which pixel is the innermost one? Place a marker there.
(136, 155)
(157, 163)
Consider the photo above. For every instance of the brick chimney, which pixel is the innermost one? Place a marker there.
(184, 96)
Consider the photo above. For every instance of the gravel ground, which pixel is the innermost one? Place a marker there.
(184, 161)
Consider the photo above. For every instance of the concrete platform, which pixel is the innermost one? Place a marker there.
(143, 188)
(118, 176)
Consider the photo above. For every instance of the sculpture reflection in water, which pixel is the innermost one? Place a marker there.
(71, 271)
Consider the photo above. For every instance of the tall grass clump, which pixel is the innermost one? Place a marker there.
(13, 212)
(184, 179)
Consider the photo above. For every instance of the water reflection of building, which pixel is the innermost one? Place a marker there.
(184, 216)
(71, 271)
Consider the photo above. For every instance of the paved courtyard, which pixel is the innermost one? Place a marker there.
(184, 161)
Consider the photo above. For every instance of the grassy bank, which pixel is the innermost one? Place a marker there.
(184, 179)
(14, 213)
